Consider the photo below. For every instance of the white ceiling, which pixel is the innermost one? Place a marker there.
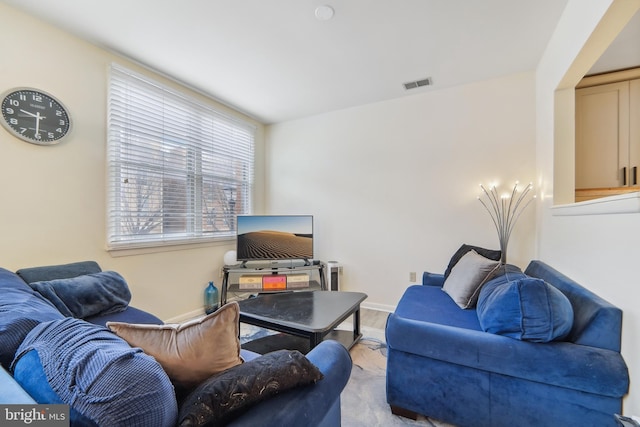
(275, 61)
(624, 52)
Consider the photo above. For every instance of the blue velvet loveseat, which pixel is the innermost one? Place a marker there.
(470, 367)
(49, 355)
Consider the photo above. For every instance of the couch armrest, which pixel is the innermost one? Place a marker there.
(308, 405)
(10, 390)
(432, 279)
(563, 364)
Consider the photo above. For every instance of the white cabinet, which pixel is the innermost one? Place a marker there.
(634, 131)
(602, 145)
(607, 151)
(608, 135)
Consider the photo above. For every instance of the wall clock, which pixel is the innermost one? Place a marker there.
(35, 116)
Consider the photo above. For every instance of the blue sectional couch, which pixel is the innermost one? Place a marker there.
(470, 367)
(135, 379)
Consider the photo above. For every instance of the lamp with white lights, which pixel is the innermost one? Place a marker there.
(505, 210)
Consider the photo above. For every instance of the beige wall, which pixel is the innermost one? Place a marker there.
(53, 198)
(599, 251)
(393, 186)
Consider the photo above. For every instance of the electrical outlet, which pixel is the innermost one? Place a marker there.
(412, 276)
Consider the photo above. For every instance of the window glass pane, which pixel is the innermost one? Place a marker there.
(178, 169)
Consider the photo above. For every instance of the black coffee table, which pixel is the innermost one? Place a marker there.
(311, 316)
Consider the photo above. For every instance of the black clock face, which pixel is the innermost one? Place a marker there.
(35, 116)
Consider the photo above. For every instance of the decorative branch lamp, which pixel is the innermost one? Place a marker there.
(505, 211)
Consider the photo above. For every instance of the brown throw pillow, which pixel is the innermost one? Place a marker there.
(193, 351)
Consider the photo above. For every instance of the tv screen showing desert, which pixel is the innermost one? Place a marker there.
(275, 238)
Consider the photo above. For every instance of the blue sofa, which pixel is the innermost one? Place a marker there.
(443, 364)
(23, 310)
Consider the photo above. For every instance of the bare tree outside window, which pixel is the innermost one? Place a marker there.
(178, 169)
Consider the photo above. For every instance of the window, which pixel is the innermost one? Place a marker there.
(179, 171)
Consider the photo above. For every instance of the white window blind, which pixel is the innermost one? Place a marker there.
(179, 170)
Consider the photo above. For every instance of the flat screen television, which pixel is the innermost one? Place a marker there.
(274, 237)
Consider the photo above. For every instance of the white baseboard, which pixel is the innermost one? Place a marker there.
(380, 307)
(185, 316)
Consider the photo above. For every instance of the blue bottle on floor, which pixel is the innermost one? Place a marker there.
(210, 298)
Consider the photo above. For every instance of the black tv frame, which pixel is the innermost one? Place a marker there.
(299, 226)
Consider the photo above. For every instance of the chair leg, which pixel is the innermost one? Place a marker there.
(406, 413)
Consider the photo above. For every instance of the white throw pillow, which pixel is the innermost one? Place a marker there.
(467, 277)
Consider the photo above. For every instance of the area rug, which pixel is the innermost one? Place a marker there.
(363, 401)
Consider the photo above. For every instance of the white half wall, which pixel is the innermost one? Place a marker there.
(393, 186)
(598, 251)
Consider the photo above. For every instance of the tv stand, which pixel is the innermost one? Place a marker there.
(257, 270)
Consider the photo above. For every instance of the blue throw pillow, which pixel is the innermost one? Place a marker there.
(524, 308)
(88, 295)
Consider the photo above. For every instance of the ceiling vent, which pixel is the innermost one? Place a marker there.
(418, 83)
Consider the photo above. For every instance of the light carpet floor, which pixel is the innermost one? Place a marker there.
(363, 401)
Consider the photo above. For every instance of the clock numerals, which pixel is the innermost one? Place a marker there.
(35, 116)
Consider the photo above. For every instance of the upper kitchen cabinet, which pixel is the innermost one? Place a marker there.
(608, 134)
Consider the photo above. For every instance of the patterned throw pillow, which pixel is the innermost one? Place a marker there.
(226, 395)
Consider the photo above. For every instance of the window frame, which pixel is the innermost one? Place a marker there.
(213, 172)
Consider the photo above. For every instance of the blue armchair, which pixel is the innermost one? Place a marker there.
(442, 364)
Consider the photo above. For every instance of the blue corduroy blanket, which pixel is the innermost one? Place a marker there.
(99, 375)
(86, 295)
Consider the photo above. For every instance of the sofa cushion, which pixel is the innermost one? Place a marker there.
(193, 351)
(524, 308)
(97, 373)
(420, 304)
(462, 250)
(21, 309)
(86, 295)
(129, 315)
(60, 271)
(226, 395)
(467, 277)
